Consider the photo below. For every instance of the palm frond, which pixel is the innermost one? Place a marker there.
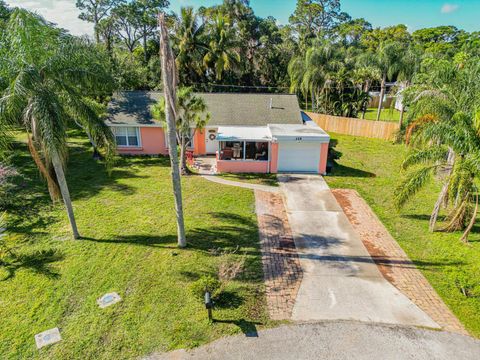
(413, 183)
(436, 154)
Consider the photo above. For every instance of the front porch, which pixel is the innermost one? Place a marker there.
(243, 150)
(205, 165)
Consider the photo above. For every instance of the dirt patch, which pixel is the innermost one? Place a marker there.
(392, 261)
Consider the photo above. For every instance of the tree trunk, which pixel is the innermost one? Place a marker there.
(183, 156)
(402, 113)
(443, 193)
(53, 188)
(145, 55)
(169, 85)
(382, 94)
(57, 165)
(95, 30)
(464, 237)
(96, 153)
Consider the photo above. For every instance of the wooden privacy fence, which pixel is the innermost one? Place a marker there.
(356, 127)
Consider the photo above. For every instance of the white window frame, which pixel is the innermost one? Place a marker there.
(137, 131)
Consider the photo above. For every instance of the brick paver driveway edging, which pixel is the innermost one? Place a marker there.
(281, 266)
(392, 261)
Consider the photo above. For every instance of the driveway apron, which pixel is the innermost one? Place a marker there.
(340, 280)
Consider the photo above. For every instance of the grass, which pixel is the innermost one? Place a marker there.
(129, 246)
(387, 115)
(372, 167)
(259, 179)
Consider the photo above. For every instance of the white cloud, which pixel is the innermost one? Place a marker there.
(449, 8)
(61, 12)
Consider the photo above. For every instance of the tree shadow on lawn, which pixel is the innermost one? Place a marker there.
(86, 177)
(247, 327)
(243, 232)
(340, 170)
(442, 222)
(38, 262)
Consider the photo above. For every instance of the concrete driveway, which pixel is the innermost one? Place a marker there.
(337, 340)
(340, 279)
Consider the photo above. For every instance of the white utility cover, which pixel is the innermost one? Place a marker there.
(299, 156)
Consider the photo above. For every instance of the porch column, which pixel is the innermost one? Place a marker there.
(244, 150)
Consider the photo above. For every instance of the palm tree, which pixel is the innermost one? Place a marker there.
(314, 72)
(191, 113)
(445, 133)
(169, 76)
(410, 65)
(388, 60)
(364, 75)
(221, 55)
(47, 76)
(188, 38)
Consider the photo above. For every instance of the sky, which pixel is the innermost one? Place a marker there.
(416, 14)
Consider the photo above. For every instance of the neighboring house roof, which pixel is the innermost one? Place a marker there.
(226, 109)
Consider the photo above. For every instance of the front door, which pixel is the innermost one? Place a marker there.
(211, 145)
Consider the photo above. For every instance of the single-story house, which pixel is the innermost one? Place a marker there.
(258, 133)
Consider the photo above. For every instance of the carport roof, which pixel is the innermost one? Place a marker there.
(309, 132)
(243, 133)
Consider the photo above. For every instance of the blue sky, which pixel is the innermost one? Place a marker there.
(415, 14)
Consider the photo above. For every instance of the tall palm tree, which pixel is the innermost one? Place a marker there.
(388, 59)
(191, 113)
(190, 46)
(221, 54)
(314, 72)
(445, 133)
(410, 65)
(169, 76)
(47, 76)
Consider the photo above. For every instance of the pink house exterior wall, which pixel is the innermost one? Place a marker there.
(227, 166)
(274, 158)
(323, 159)
(152, 142)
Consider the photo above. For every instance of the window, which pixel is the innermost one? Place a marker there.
(244, 150)
(256, 151)
(127, 136)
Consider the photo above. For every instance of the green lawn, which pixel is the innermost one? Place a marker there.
(387, 115)
(372, 167)
(127, 220)
(259, 179)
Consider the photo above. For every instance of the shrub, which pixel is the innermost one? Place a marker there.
(467, 281)
(205, 283)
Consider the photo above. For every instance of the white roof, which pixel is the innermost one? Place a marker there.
(307, 132)
(276, 132)
(243, 133)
